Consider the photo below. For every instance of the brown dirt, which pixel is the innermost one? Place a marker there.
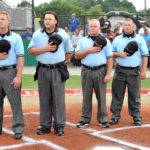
(74, 138)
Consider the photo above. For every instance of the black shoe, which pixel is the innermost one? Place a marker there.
(59, 131)
(0, 131)
(82, 124)
(104, 124)
(18, 136)
(137, 121)
(42, 130)
(113, 121)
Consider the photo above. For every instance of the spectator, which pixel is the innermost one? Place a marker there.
(27, 35)
(81, 32)
(102, 22)
(76, 37)
(87, 28)
(118, 29)
(144, 25)
(110, 35)
(73, 23)
(146, 36)
(67, 31)
(105, 24)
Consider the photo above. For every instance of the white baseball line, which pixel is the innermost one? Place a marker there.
(100, 134)
(15, 146)
(31, 141)
(28, 140)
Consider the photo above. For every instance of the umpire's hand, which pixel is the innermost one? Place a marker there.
(94, 49)
(3, 56)
(107, 78)
(143, 74)
(16, 82)
(50, 47)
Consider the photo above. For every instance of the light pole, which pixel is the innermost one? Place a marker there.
(32, 15)
(145, 5)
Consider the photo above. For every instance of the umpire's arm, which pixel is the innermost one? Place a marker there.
(143, 67)
(84, 53)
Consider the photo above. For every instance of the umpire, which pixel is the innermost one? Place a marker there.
(131, 54)
(96, 59)
(11, 65)
(52, 73)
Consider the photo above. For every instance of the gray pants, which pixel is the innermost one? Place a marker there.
(52, 98)
(123, 78)
(14, 97)
(93, 79)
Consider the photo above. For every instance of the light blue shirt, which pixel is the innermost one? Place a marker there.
(135, 60)
(147, 39)
(17, 49)
(97, 58)
(40, 39)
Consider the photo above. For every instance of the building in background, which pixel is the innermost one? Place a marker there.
(20, 18)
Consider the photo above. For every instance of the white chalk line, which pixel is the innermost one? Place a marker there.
(15, 146)
(100, 134)
(31, 141)
(28, 140)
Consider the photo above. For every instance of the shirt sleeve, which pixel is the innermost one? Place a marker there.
(143, 47)
(79, 46)
(19, 48)
(32, 42)
(114, 44)
(108, 49)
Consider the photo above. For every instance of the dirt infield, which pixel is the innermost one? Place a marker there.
(121, 136)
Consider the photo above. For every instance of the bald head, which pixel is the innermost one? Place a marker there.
(94, 27)
(94, 22)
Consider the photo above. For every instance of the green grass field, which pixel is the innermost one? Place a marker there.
(74, 82)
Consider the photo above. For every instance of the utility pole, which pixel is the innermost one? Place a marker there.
(32, 16)
(145, 5)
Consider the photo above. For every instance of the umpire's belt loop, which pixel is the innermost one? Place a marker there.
(129, 68)
(49, 66)
(94, 68)
(7, 67)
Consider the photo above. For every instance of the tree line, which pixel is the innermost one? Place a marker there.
(84, 7)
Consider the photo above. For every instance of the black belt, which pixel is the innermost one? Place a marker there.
(129, 68)
(7, 67)
(94, 68)
(49, 66)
